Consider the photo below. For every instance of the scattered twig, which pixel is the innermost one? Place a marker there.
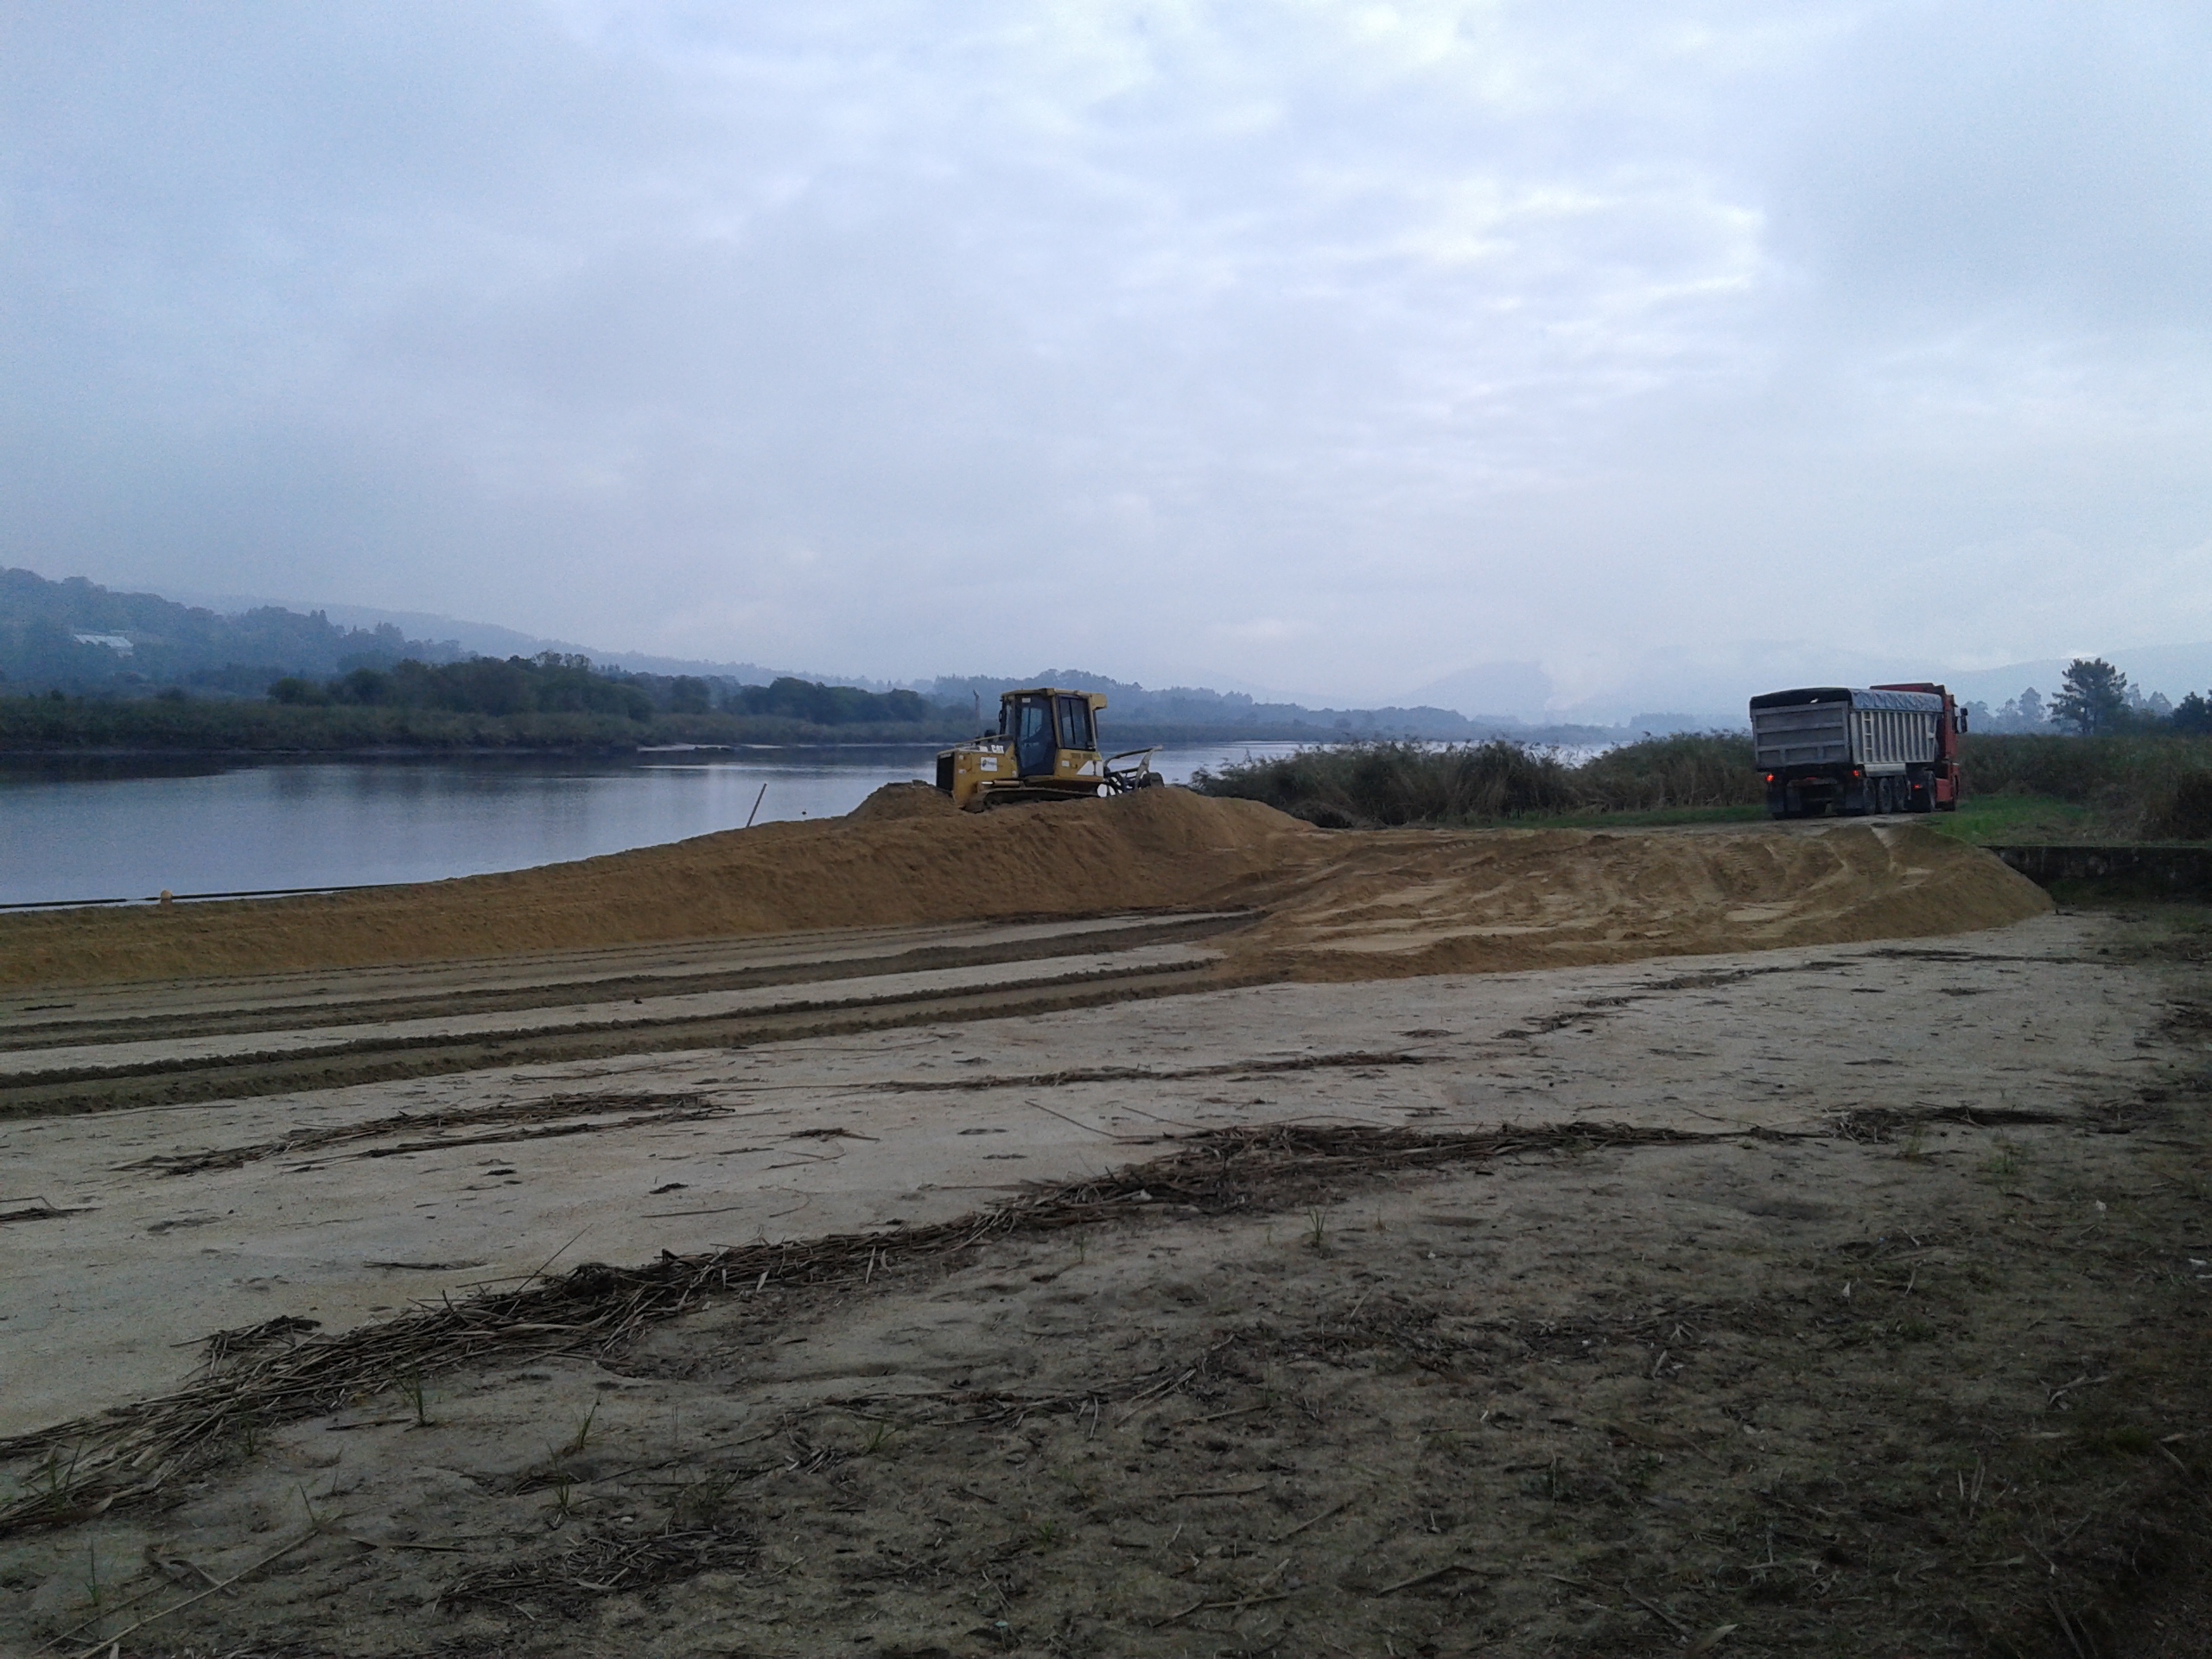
(1241, 1411)
(1203, 1605)
(41, 1211)
(115, 1641)
(388, 1543)
(1314, 1521)
(2066, 1627)
(1658, 1612)
(377, 1129)
(1434, 1573)
(132, 1453)
(1078, 1122)
(224, 1344)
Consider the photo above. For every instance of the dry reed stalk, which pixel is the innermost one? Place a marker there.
(129, 1454)
(674, 1107)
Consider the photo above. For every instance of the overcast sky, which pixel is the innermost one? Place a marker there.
(1336, 348)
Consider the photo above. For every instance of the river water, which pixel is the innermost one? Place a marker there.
(92, 830)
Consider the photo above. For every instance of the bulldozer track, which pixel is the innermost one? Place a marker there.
(119, 1062)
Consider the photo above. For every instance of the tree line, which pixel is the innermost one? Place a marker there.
(554, 683)
(2095, 699)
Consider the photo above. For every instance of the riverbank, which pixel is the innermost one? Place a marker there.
(1339, 906)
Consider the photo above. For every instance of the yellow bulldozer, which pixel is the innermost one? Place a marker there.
(1045, 749)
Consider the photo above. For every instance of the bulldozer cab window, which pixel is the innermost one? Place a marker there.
(1075, 723)
(1032, 737)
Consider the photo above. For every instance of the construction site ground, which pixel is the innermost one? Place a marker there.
(1230, 1280)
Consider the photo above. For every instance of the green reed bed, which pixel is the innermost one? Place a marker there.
(2017, 788)
(1369, 785)
(2136, 787)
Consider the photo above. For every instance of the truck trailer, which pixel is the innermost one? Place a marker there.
(1885, 748)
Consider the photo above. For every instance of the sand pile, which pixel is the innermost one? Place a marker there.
(901, 802)
(905, 857)
(1337, 906)
(1365, 906)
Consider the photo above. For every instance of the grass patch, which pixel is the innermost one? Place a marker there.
(2019, 820)
(2169, 931)
(2091, 789)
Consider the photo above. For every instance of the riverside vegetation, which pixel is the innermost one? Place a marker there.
(2018, 787)
(547, 702)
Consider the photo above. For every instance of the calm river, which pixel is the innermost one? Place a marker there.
(77, 831)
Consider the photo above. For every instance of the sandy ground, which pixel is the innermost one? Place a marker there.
(1341, 905)
(179, 1052)
(340, 1205)
(1751, 1241)
(1901, 1353)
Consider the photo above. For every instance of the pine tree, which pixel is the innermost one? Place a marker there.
(2095, 702)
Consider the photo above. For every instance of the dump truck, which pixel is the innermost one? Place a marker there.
(1882, 748)
(1045, 748)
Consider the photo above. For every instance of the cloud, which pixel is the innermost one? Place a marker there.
(851, 333)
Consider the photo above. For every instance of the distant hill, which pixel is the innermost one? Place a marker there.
(1174, 713)
(492, 641)
(77, 635)
(489, 639)
(2176, 671)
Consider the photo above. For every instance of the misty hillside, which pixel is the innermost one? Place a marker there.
(76, 636)
(79, 636)
(1183, 708)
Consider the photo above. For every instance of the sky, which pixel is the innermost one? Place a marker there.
(1569, 354)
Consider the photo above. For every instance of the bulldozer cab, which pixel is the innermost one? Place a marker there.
(1046, 725)
(1045, 748)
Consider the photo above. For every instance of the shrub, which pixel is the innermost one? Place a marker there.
(2185, 812)
(2143, 785)
(1688, 769)
(1384, 783)
(1393, 783)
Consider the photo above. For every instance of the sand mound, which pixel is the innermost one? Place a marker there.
(1437, 902)
(895, 802)
(1336, 906)
(905, 863)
